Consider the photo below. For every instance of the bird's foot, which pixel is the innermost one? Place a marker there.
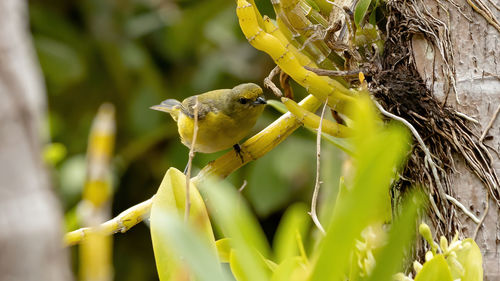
(237, 149)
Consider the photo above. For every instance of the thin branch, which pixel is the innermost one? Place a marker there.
(121, 223)
(462, 207)
(314, 200)
(187, 207)
(268, 81)
(492, 120)
(242, 186)
(486, 208)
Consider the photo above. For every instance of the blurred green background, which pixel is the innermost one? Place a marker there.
(134, 54)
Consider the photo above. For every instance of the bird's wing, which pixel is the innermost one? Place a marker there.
(205, 105)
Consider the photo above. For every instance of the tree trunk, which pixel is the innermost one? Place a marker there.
(476, 48)
(30, 218)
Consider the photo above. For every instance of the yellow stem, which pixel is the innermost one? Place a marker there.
(312, 120)
(320, 87)
(120, 223)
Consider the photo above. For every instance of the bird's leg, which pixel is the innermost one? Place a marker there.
(186, 169)
(237, 149)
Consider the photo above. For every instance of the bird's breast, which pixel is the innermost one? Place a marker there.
(216, 131)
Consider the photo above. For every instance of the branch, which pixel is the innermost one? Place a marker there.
(314, 200)
(187, 206)
(268, 81)
(121, 223)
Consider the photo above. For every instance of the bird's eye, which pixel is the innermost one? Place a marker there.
(243, 100)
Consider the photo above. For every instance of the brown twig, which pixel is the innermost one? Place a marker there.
(190, 160)
(268, 81)
(314, 200)
(285, 84)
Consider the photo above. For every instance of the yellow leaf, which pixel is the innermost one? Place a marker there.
(171, 198)
(435, 270)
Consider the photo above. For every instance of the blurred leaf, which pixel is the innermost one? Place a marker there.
(72, 177)
(71, 220)
(375, 168)
(294, 225)
(247, 239)
(47, 20)
(343, 144)
(282, 173)
(290, 269)
(279, 106)
(145, 23)
(223, 249)
(401, 234)
(60, 63)
(360, 11)
(177, 240)
(179, 36)
(469, 256)
(332, 160)
(170, 199)
(434, 270)
(53, 153)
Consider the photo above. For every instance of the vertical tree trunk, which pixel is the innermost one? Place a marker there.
(476, 47)
(30, 219)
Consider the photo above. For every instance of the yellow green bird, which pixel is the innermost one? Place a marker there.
(224, 116)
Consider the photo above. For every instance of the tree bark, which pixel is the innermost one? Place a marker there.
(476, 47)
(30, 217)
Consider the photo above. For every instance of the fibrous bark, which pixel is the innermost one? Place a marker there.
(469, 84)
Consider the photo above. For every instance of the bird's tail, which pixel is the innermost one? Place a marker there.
(171, 106)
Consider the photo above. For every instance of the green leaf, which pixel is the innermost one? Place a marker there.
(60, 63)
(401, 234)
(223, 249)
(435, 269)
(170, 199)
(376, 163)
(178, 240)
(293, 225)
(273, 185)
(360, 11)
(279, 106)
(469, 256)
(291, 269)
(247, 239)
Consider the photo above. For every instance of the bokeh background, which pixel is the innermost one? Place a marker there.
(134, 54)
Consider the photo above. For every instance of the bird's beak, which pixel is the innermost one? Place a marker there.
(159, 107)
(260, 100)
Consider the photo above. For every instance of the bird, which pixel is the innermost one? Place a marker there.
(225, 116)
